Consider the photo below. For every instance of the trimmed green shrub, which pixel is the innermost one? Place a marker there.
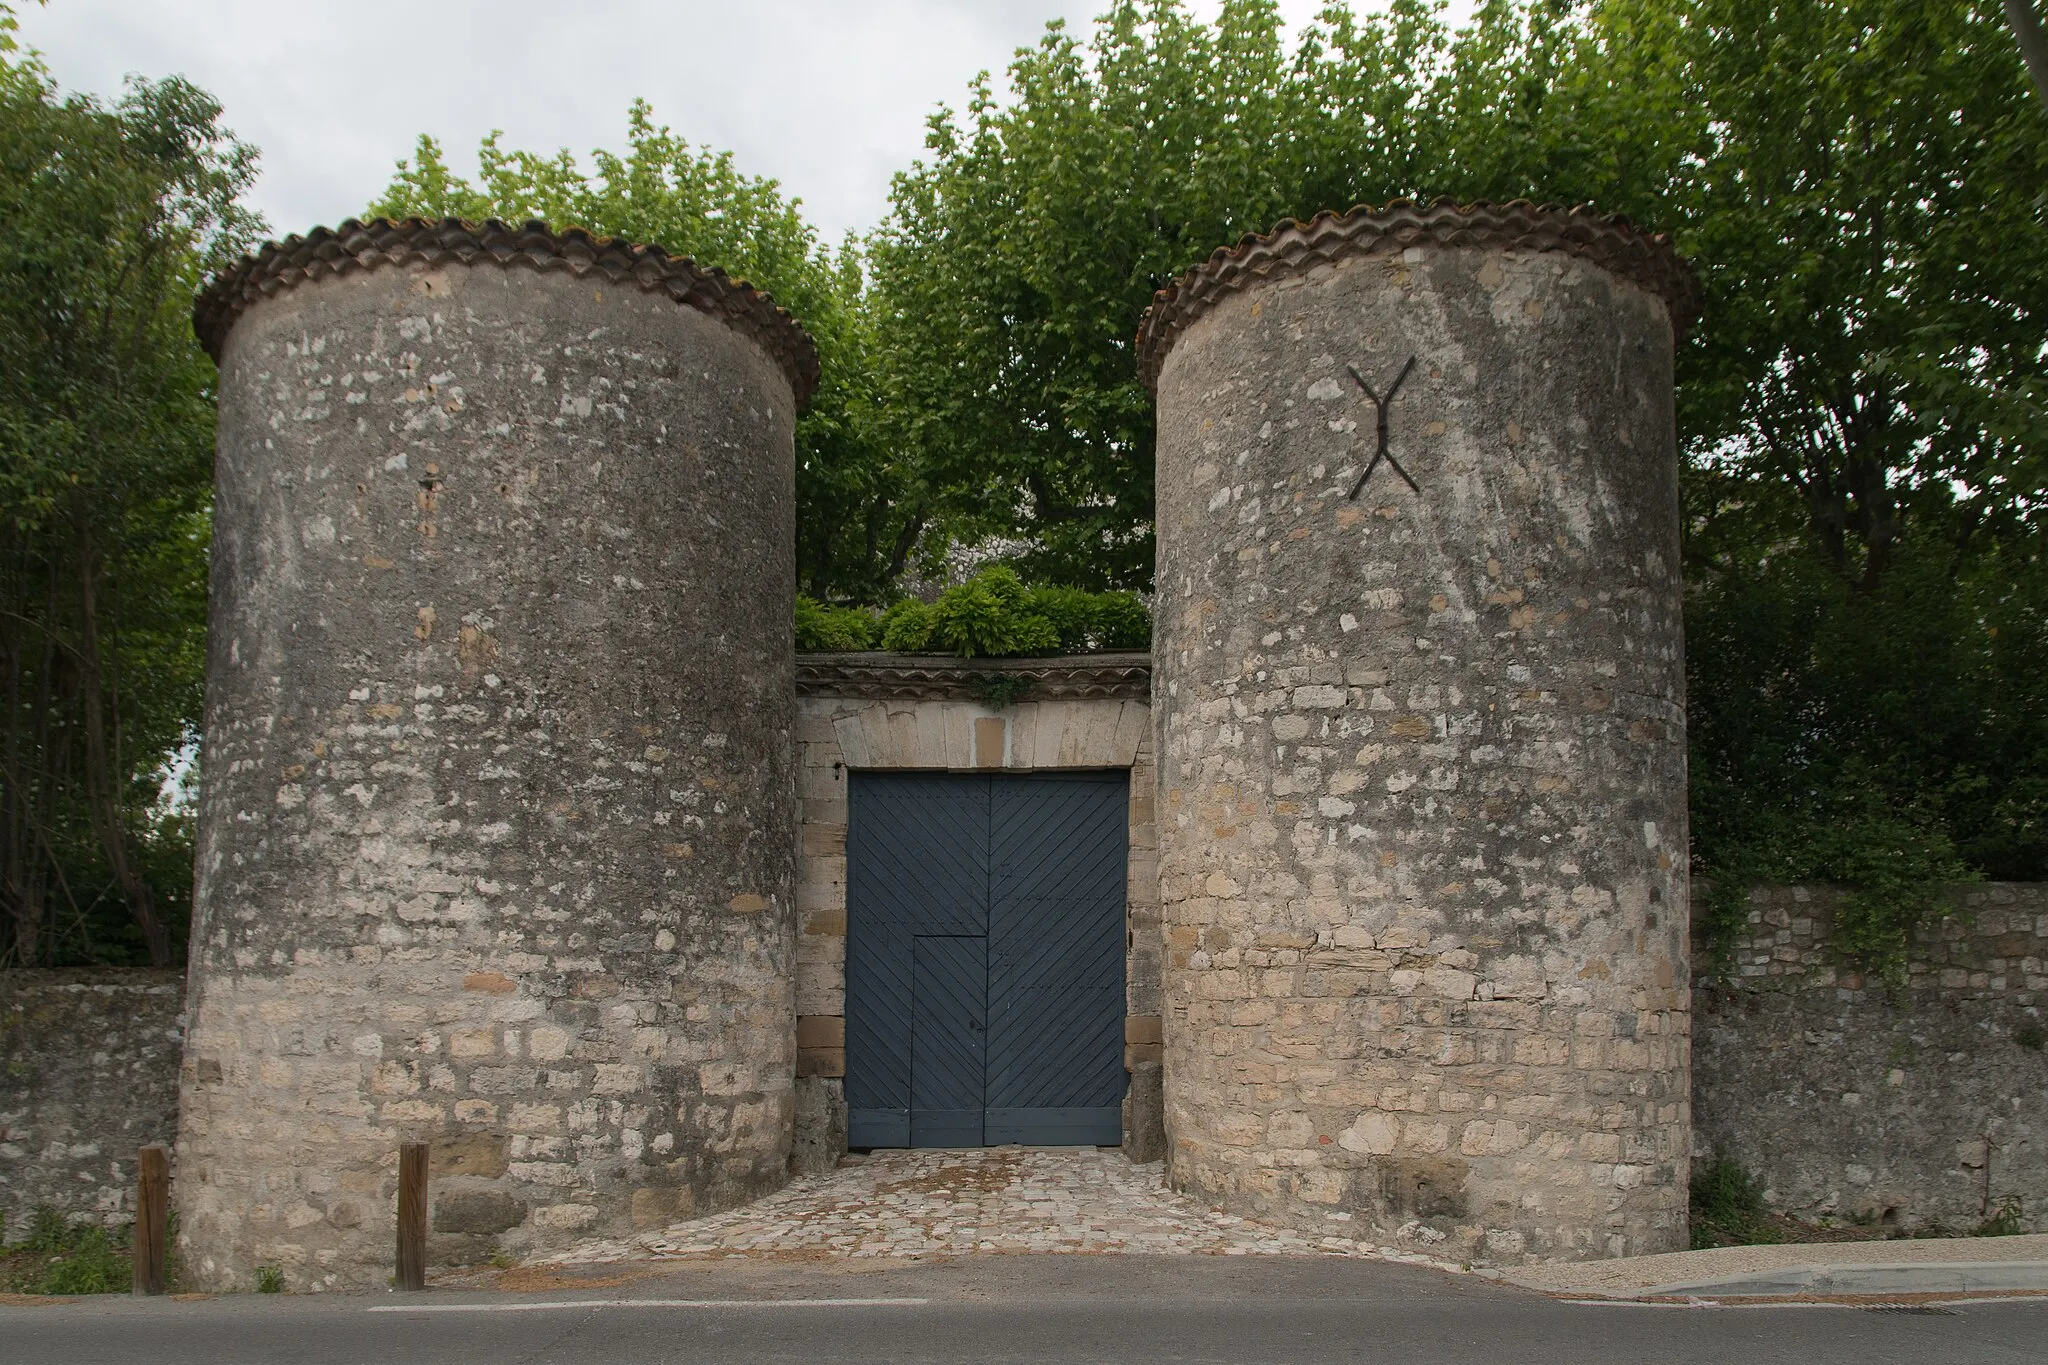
(906, 627)
(995, 615)
(819, 626)
(990, 615)
(1093, 620)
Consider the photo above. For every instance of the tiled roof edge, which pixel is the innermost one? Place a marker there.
(1607, 239)
(356, 245)
(875, 675)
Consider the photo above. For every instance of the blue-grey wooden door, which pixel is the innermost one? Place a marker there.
(916, 865)
(948, 1034)
(985, 958)
(1059, 853)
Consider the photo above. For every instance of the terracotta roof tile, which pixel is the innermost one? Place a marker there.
(1609, 240)
(1122, 674)
(380, 242)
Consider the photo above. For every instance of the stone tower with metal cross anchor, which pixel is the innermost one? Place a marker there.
(1419, 697)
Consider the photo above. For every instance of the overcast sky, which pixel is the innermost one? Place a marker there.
(827, 96)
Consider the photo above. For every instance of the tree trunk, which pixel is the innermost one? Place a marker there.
(24, 911)
(2026, 27)
(18, 878)
(25, 866)
(102, 782)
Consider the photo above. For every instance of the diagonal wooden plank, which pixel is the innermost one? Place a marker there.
(917, 850)
(1059, 852)
(916, 858)
(1058, 836)
(950, 989)
(917, 872)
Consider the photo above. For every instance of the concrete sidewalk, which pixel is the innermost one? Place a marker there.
(1943, 1265)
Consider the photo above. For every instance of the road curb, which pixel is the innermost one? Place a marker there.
(1940, 1277)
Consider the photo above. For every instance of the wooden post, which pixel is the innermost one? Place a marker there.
(412, 1215)
(152, 1218)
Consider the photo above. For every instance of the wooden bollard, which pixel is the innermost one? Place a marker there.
(152, 1218)
(412, 1215)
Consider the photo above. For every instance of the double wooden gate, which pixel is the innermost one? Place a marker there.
(985, 958)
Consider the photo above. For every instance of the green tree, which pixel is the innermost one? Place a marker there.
(1887, 740)
(1021, 253)
(859, 519)
(1017, 260)
(1861, 407)
(110, 216)
(1858, 183)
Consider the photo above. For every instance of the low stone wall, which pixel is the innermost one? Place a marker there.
(1844, 1098)
(88, 1073)
(1923, 1105)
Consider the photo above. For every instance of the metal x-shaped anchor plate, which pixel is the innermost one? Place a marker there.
(1380, 404)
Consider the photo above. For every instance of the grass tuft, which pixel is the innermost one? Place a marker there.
(61, 1257)
(1728, 1208)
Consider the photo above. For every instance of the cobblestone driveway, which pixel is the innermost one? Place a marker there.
(999, 1199)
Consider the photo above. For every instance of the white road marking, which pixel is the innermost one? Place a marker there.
(542, 1305)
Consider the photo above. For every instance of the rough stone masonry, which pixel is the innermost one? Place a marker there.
(88, 1074)
(495, 843)
(1422, 814)
(1919, 1103)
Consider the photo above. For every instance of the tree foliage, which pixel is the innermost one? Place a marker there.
(1888, 740)
(1859, 184)
(857, 525)
(110, 215)
(1858, 181)
(1019, 257)
(993, 614)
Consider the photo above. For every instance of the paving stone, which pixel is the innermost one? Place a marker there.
(998, 1199)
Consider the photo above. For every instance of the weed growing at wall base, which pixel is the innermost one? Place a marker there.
(1728, 1208)
(58, 1257)
(2007, 1220)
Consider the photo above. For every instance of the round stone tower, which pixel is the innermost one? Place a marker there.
(1419, 684)
(495, 843)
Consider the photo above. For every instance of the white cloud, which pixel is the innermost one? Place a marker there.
(828, 97)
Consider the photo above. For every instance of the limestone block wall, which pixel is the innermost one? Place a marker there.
(1422, 749)
(926, 719)
(1918, 1105)
(88, 1074)
(493, 843)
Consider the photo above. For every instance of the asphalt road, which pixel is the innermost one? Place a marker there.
(1007, 1308)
